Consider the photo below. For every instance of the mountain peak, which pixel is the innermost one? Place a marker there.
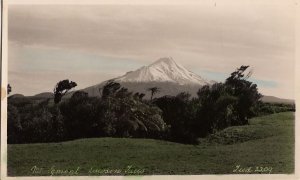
(163, 70)
(166, 60)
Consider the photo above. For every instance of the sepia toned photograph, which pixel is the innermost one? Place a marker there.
(151, 88)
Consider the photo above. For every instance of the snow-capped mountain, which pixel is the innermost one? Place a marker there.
(163, 70)
(171, 78)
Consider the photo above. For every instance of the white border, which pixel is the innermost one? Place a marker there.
(4, 89)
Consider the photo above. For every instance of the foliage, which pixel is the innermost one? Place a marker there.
(61, 88)
(263, 108)
(153, 90)
(178, 113)
(246, 92)
(30, 121)
(9, 88)
(13, 124)
(127, 115)
(217, 109)
(218, 106)
(121, 113)
(79, 114)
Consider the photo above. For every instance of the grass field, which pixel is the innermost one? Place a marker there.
(264, 146)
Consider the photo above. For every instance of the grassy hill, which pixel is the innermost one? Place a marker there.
(267, 143)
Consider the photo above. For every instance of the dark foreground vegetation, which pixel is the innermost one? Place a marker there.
(120, 113)
(267, 144)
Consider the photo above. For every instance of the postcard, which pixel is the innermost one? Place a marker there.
(149, 89)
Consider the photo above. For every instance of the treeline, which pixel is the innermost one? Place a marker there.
(265, 108)
(120, 113)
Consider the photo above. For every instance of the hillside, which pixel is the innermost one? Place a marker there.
(165, 88)
(16, 96)
(273, 99)
(267, 142)
(44, 95)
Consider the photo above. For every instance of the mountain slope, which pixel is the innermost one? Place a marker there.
(44, 95)
(272, 99)
(165, 88)
(171, 78)
(163, 70)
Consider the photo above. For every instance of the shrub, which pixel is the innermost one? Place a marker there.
(128, 115)
(14, 127)
(79, 115)
(178, 113)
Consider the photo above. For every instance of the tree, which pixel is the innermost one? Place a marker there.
(139, 95)
(184, 96)
(154, 90)
(126, 115)
(245, 91)
(179, 113)
(226, 104)
(61, 88)
(36, 122)
(238, 75)
(215, 110)
(110, 89)
(79, 115)
(14, 126)
(9, 89)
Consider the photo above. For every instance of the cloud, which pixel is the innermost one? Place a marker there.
(140, 31)
(202, 37)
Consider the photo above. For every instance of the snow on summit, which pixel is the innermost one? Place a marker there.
(163, 70)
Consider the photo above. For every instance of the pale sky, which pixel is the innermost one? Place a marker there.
(92, 43)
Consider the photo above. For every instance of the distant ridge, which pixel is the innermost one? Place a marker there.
(44, 95)
(273, 99)
(16, 96)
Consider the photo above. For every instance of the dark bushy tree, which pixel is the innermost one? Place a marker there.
(216, 109)
(140, 96)
(14, 127)
(61, 88)
(178, 113)
(110, 89)
(246, 92)
(126, 115)
(79, 115)
(153, 90)
(36, 124)
(39, 122)
(121, 113)
(58, 127)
